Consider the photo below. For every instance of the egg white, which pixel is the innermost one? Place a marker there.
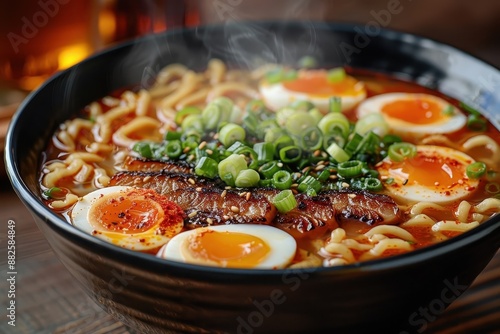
(422, 193)
(447, 125)
(276, 96)
(282, 245)
(80, 218)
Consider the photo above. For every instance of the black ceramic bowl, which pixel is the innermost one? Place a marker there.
(156, 296)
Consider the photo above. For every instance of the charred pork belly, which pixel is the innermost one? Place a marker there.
(139, 164)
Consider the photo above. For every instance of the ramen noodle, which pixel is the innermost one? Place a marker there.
(274, 168)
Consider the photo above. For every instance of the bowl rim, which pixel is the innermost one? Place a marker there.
(55, 221)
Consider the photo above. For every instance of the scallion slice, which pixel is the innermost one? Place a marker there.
(309, 182)
(173, 149)
(247, 178)
(350, 169)
(336, 75)
(290, 154)
(184, 112)
(399, 151)
(206, 167)
(492, 188)
(144, 149)
(332, 121)
(298, 122)
(285, 201)
(372, 122)
(269, 169)
(373, 184)
(476, 122)
(282, 180)
(211, 116)
(265, 152)
(230, 133)
(335, 104)
(337, 153)
(311, 139)
(475, 170)
(230, 167)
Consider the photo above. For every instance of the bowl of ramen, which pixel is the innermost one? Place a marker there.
(267, 177)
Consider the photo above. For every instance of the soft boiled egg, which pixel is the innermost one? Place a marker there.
(408, 113)
(232, 246)
(435, 174)
(137, 219)
(316, 86)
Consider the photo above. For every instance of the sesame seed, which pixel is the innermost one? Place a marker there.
(384, 177)
(210, 221)
(345, 185)
(333, 177)
(202, 145)
(216, 136)
(192, 214)
(436, 183)
(317, 153)
(190, 180)
(319, 167)
(295, 185)
(380, 163)
(198, 189)
(352, 195)
(226, 217)
(146, 178)
(249, 194)
(209, 151)
(235, 209)
(186, 149)
(227, 187)
(460, 181)
(306, 169)
(223, 194)
(137, 181)
(191, 157)
(242, 194)
(279, 164)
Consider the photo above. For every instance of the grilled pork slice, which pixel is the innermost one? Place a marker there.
(132, 164)
(369, 208)
(206, 202)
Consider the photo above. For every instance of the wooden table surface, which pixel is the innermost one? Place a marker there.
(49, 300)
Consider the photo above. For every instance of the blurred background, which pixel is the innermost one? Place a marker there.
(41, 37)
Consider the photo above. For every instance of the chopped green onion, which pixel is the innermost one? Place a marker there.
(352, 145)
(265, 151)
(283, 114)
(302, 105)
(316, 114)
(273, 134)
(373, 184)
(400, 151)
(193, 122)
(285, 201)
(492, 188)
(372, 122)
(290, 75)
(230, 167)
(282, 180)
(332, 121)
(173, 149)
(298, 122)
(211, 116)
(324, 175)
(144, 149)
(282, 142)
(351, 168)
(311, 192)
(54, 193)
(184, 112)
(311, 139)
(389, 180)
(449, 110)
(336, 75)
(309, 182)
(251, 154)
(226, 106)
(265, 182)
(247, 178)
(173, 135)
(335, 104)
(257, 107)
(368, 144)
(270, 168)
(231, 133)
(206, 167)
(476, 170)
(290, 154)
(476, 122)
(307, 62)
(235, 146)
(335, 136)
(276, 75)
(337, 153)
(391, 139)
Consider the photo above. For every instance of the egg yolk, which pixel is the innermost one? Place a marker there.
(316, 83)
(430, 171)
(228, 249)
(125, 213)
(416, 111)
